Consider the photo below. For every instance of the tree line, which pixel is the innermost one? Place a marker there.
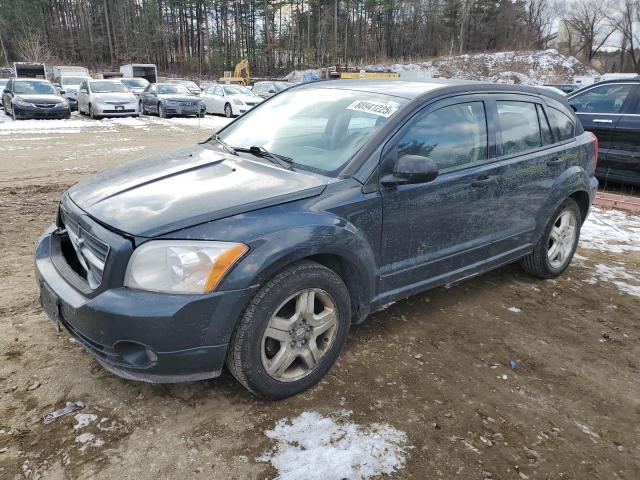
(206, 37)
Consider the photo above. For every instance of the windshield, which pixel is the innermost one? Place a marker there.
(108, 87)
(237, 90)
(319, 128)
(72, 80)
(169, 89)
(30, 87)
(135, 82)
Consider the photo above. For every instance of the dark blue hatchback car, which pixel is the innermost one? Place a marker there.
(261, 247)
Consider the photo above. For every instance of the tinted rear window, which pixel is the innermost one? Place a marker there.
(562, 125)
(519, 126)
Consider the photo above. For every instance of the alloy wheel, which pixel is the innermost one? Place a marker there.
(299, 334)
(562, 239)
(227, 111)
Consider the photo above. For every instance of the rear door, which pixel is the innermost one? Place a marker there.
(528, 166)
(623, 160)
(438, 230)
(599, 109)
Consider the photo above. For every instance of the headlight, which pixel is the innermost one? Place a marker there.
(181, 266)
(22, 103)
(62, 104)
(238, 101)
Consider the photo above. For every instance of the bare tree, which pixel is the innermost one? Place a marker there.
(625, 22)
(589, 20)
(33, 48)
(540, 16)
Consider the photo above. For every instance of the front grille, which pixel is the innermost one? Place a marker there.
(119, 111)
(119, 102)
(187, 104)
(91, 252)
(251, 104)
(45, 105)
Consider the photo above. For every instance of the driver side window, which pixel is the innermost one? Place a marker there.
(218, 91)
(602, 99)
(451, 136)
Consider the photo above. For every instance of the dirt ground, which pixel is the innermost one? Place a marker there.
(436, 365)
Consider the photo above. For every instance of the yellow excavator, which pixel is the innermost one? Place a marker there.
(240, 75)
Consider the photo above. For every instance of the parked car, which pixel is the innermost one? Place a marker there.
(230, 100)
(135, 85)
(24, 98)
(269, 89)
(262, 246)
(611, 110)
(3, 82)
(193, 88)
(167, 99)
(68, 86)
(106, 98)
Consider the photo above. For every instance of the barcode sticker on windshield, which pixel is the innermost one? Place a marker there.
(375, 108)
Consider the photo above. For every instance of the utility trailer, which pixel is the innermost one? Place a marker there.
(147, 71)
(29, 70)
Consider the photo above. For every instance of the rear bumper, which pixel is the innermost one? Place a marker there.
(141, 335)
(629, 176)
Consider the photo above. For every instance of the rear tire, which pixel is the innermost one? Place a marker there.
(308, 309)
(555, 249)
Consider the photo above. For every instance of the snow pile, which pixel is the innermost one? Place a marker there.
(313, 446)
(611, 231)
(84, 419)
(78, 124)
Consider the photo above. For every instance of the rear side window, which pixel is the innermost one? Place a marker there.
(545, 130)
(519, 126)
(451, 136)
(562, 125)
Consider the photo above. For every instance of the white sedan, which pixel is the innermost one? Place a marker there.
(230, 100)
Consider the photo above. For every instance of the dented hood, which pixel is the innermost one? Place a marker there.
(182, 188)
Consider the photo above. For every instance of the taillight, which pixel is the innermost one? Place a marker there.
(595, 150)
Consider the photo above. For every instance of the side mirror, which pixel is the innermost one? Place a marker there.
(6, 91)
(411, 169)
(62, 92)
(272, 91)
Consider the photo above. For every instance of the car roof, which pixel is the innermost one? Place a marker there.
(32, 79)
(583, 88)
(411, 90)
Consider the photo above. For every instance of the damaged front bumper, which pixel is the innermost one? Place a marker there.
(140, 335)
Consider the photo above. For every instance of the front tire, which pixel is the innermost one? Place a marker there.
(161, 111)
(92, 115)
(228, 111)
(292, 331)
(555, 249)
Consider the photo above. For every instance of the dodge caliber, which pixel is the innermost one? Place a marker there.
(260, 247)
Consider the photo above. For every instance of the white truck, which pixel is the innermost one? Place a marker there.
(148, 71)
(67, 79)
(29, 70)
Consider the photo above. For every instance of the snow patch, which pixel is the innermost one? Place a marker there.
(618, 276)
(88, 440)
(514, 309)
(612, 231)
(84, 419)
(316, 447)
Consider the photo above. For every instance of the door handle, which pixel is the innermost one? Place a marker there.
(555, 161)
(483, 181)
(602, 120)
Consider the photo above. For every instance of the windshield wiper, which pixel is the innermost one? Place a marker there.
(216, 139)
(280, 160)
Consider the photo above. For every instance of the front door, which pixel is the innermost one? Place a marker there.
(623, 160)
(433, 231)
(599, 109)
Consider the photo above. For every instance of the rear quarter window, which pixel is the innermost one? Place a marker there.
(562, 125)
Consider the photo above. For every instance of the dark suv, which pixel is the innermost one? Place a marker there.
(611, 110)
(260, 247)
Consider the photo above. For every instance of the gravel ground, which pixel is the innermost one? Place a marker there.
(428, 382)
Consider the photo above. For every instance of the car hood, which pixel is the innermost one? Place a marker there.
(40, 98)
(115, 97)
(186, 187)
(182, 98)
